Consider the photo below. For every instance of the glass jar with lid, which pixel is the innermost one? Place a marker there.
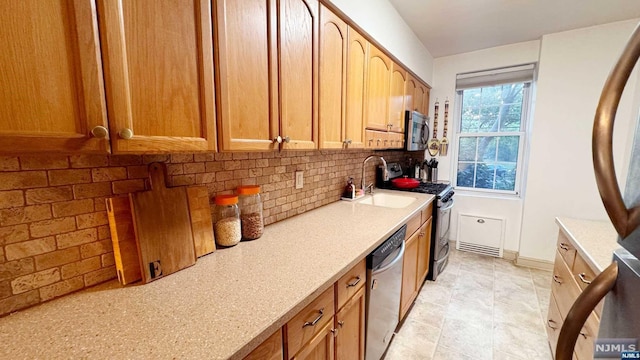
(226, 217)
(250, 211)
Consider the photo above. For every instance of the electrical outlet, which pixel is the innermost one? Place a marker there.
(299, 180)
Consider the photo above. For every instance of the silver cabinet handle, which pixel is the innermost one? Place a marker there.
(314, 322)
(355, 282)
(564, 246)
(552, 324)
(126, 133)
(286, 139)
(277, 139)
(100, 132)
(340, 323)
(583, 278)
(347, 141)
(557, 278)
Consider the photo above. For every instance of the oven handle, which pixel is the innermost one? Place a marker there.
(391, 264)
(448, 207)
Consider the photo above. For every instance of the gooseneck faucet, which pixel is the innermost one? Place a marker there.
(385, 173)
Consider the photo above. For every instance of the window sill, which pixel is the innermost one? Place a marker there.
(486, 194)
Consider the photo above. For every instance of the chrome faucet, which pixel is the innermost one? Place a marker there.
(385, 173)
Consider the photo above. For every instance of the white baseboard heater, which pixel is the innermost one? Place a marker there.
(481, 234)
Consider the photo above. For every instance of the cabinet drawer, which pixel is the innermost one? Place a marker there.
(582, 272)
(270, 349)
(564, 287)
(587, 338)
(427, 212)
(413, 225)
(554, 323)
(350, 283)
(566, 249)
(309, 322)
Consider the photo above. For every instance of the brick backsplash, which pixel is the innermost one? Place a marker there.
(54, 233)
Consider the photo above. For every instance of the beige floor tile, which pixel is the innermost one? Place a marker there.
(517, 289)
(417, 330)
(506, 267)
(541, 278)
(469, 337)
(544, 296)
(398, 351)
(443, 353)
(435, 293)
(520, 315)
(499, 355)
(428, 313)
(519, 342)
(476, 263)
(470, 307)
(447, 278)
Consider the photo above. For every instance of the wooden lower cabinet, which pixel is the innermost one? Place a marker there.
(409, 273)
(321, 347)
(270, 349)
(350, 326)
(570, 274)
(424, 244)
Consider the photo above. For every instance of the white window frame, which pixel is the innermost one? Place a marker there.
(522, 134)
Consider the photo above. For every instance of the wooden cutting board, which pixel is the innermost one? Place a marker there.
(163, 227)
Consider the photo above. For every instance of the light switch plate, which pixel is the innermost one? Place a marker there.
(299, 180)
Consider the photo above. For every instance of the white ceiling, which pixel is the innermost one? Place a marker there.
(448, 27)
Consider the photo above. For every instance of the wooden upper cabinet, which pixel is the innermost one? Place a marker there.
(298, 48)
(357, 56)
(409, 93)
(378, 83)
(396, 98)
(158, 58)
(51, 84)
(247, 81)
(333, 78)
(421, 99)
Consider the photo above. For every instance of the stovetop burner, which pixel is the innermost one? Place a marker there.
(430, 188)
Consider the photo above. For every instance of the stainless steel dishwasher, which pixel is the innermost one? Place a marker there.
(384, 283)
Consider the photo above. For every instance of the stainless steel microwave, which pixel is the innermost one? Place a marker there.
(416, 130)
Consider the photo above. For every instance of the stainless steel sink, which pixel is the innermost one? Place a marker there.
(387, 200)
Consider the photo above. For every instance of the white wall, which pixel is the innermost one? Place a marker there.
(573, 68)
(444, 83)
(381, 20)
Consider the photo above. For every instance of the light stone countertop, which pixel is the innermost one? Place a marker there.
(594, 240)
(223, 307)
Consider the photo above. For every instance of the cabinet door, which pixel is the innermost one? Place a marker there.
(423, 252)
(351, 328)
(409, 273)
(409, 93)
(321, 347)
(425, 102)
(270, 349)
(51, 85)
(247, 81)
(298, 46)
(333, 77)
(357, 56)
(378, 83)
(158, 74)
(418, 98)
(396, 98)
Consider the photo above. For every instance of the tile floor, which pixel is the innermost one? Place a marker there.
(480, 308)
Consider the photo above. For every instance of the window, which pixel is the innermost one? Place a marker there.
(492, 111)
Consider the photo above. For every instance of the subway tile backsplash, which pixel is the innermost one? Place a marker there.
(54, 233)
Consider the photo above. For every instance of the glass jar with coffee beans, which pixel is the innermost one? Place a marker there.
(251, 218)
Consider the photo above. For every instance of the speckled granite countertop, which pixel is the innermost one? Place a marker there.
(594, 240)
(223, 307)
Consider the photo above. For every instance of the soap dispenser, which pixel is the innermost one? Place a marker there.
(349, 190)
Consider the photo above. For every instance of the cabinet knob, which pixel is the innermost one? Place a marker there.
(286, 139)
(340, 323)
(100, 132)
(126, 133)
(277, 139)
(347, 141)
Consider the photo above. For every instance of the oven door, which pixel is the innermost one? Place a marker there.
(444, 219)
